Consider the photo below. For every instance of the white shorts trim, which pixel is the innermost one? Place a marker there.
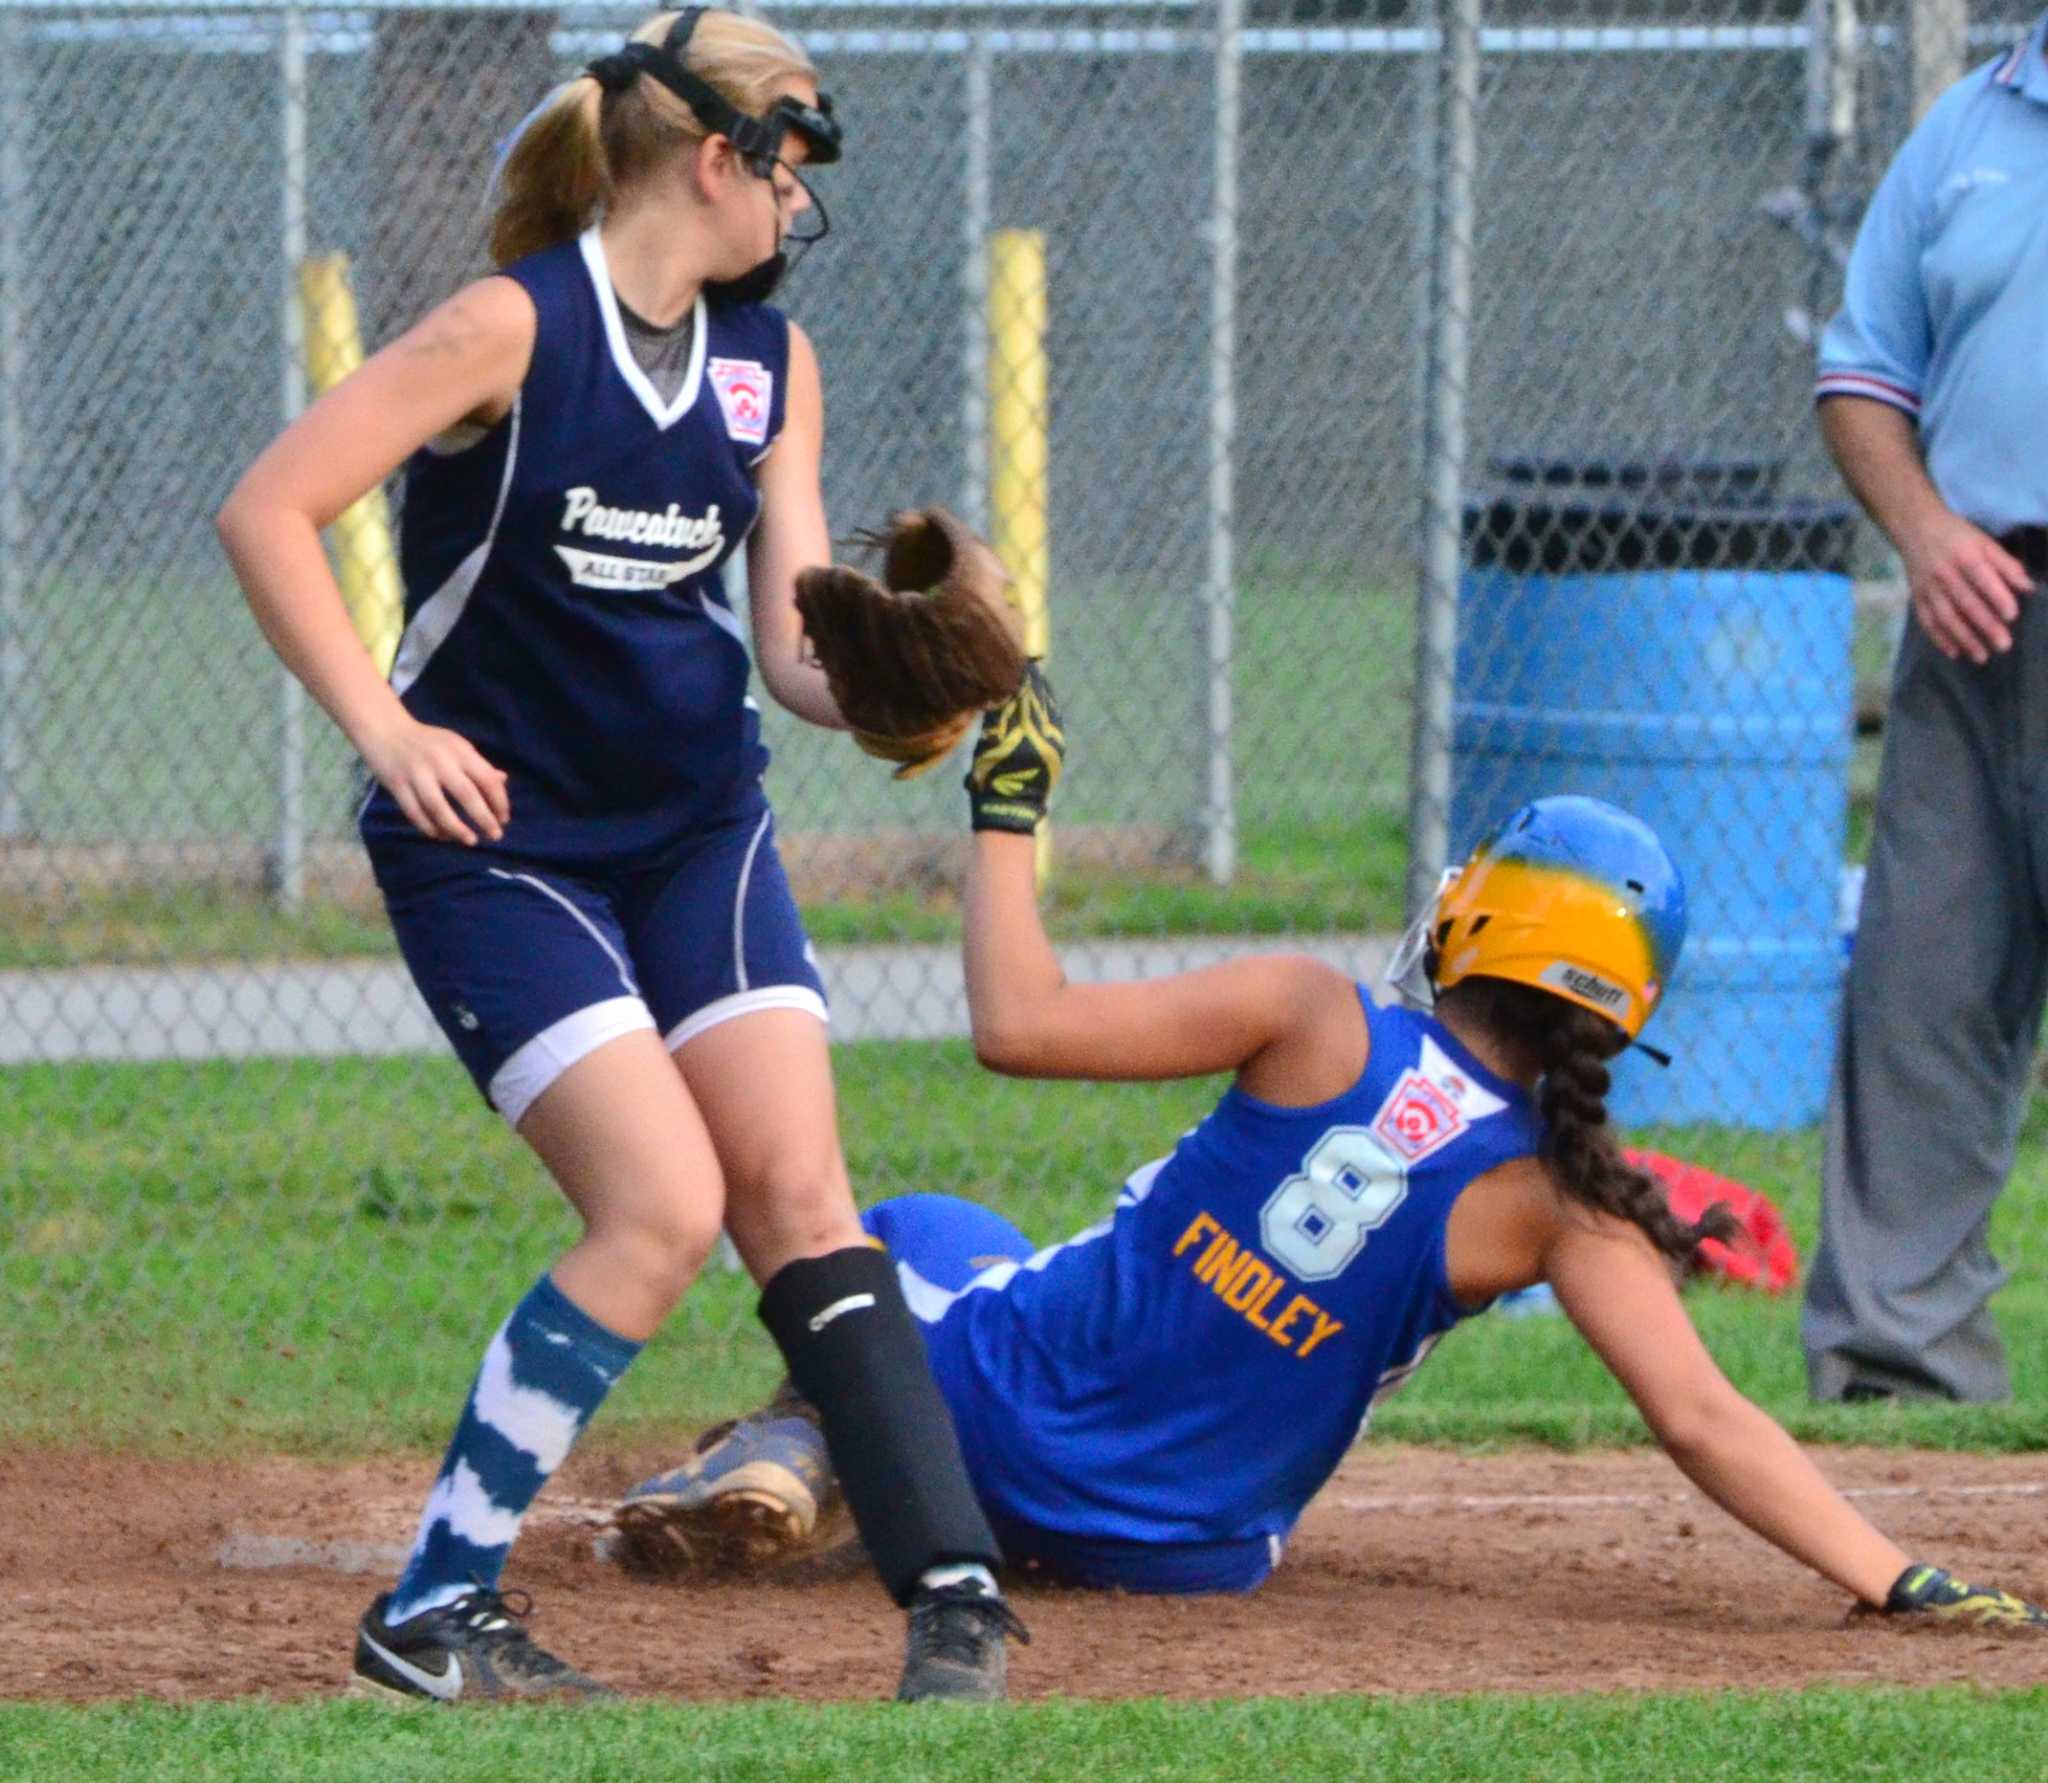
(518, 1083)
(739, 905)
(769, 996)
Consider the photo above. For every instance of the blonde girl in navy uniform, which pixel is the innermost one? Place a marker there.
(567, 821)
(1151, 1405)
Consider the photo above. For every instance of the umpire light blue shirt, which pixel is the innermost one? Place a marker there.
(1945, 313)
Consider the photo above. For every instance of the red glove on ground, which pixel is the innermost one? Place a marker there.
(1762, 1256)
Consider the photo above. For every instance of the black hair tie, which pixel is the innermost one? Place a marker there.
(619, 70)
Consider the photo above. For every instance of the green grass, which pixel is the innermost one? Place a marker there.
(1499, 1380)
(1293, 879)
(156, 713)
(158, 717)
(153, 709)
(196, 923)
(1753, 1736)
(179, 702)
(261, 1252)
(309, 1255)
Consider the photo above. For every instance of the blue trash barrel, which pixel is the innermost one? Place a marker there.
(1687, 659)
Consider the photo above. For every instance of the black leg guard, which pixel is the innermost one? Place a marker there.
(854, 1352)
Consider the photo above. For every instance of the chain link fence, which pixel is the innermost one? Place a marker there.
(1369, 330)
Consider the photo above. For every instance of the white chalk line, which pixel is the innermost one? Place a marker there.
(254, 1550)
(1574, 1501)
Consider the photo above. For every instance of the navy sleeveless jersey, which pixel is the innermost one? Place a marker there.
(566, 607)
(1194, 1368)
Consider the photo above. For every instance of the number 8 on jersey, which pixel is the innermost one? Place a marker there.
(1316, 1221)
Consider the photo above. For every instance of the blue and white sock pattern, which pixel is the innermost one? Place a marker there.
(547, 1370)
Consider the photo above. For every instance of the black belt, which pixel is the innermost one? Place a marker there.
(2030, 545)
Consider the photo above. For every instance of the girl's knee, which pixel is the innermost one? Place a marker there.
(663, 1250)
(797, 1211)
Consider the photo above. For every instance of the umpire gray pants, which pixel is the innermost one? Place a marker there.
(1939, 1025)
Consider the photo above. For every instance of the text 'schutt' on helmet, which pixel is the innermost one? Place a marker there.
(1571, 895)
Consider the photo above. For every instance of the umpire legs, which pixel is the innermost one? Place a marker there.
(1938, 1032)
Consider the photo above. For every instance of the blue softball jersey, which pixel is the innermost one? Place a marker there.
(1193, 1369)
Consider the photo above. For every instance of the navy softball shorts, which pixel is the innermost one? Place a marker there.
(529, 968)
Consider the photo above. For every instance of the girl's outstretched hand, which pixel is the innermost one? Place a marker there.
(1928, 1591)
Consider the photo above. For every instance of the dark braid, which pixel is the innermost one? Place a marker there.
(1570, 1046)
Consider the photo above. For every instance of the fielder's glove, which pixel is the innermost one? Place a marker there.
(913, 657)
(1928, 1590)
(1017, 763)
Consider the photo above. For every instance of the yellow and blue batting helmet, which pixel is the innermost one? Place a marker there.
(1571, 895)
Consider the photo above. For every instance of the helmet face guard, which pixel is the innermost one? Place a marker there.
(1570, 895)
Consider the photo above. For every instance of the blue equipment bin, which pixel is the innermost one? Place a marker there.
(1685, 655)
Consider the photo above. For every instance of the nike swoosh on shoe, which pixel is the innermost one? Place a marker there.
(446, 1686)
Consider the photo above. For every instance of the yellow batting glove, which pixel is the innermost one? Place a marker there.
(1931, 1591)
(1018, 761)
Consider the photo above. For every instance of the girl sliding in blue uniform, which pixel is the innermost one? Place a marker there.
(1151, 1405)
(568, 824)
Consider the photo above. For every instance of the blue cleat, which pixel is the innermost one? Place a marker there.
(755, 1492)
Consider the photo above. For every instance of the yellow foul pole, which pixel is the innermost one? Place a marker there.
(1019, 450)
(365, 564)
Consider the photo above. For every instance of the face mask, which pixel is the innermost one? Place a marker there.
(1408, 967)
(755, 286)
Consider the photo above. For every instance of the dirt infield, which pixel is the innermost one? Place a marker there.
(1415, 1571)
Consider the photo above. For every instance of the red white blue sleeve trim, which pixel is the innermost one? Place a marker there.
(1863, 383)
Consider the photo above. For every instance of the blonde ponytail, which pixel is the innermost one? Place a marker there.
(554, 181)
